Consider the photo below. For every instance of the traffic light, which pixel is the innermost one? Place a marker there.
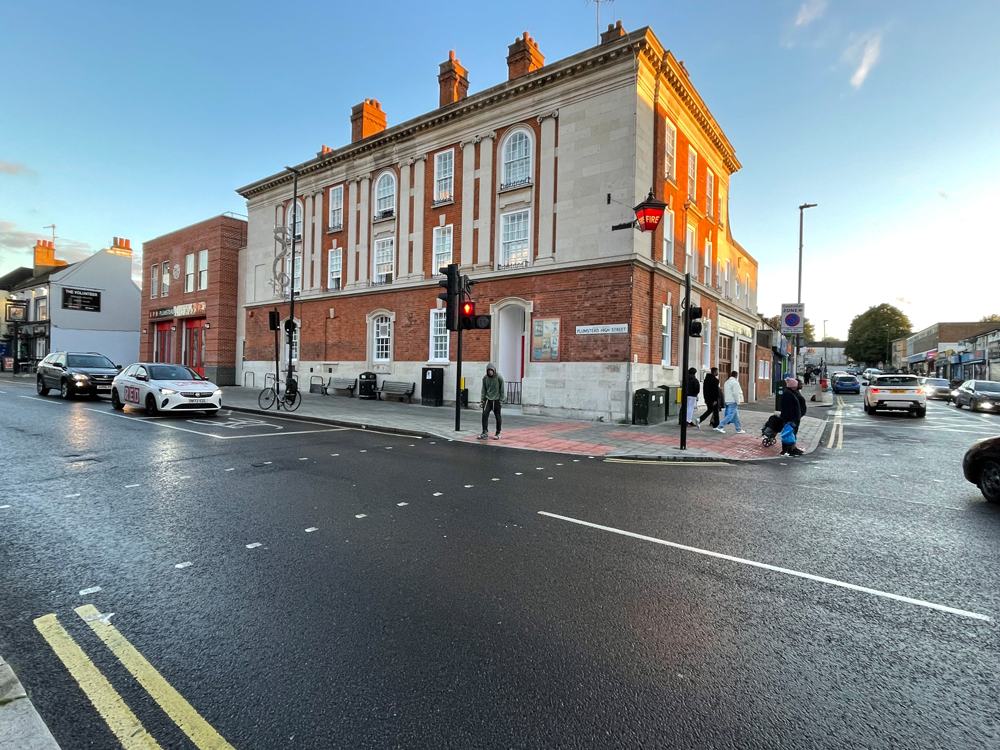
(694, 322)
(273, 321)
(453, 283)
(468, 317)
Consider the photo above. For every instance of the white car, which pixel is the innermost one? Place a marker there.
(156, 387)
(869, 374)
(896, 393)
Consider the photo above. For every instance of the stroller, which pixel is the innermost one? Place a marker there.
(771, 430)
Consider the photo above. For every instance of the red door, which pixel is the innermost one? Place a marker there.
(194, 344)
(163, 343)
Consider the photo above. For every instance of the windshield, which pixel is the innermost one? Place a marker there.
(988, 386)
(896, 380)
(937, 381)
(172, 372)
(89, 360)
(847, 378)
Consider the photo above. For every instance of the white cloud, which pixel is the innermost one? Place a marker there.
(16, 169)
(16, 247)
(863, 53)
(810, 11)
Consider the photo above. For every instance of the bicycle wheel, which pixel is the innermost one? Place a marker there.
(267, 398)
(291, 401)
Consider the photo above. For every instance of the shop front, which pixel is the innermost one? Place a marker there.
(178, 333)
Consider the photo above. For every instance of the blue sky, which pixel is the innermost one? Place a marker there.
(135, 119)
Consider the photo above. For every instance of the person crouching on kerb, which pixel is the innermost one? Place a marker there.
(491, 399)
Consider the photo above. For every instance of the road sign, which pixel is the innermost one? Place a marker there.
(793, 317)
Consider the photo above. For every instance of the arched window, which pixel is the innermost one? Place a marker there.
(294, 220)
(516, 160)
(385, 195)
(382, 339)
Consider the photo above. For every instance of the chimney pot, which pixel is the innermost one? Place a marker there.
(367, 119)
(523, 57)
(615, 31)
(453, 80)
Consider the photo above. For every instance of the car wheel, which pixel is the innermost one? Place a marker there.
(973, 405)
(957, 404)
(151, 410)
(922, 412)
(116, 403)
(989, 481)
(40, 387)
(64, 390)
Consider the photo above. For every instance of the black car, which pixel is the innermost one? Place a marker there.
(978, 395)
(76, 373)
(982, 467)
(936, 388)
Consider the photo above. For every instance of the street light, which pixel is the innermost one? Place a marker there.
(648, 214)
(798, 336)
(826, 359)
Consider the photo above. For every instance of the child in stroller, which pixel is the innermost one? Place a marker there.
(771, 430)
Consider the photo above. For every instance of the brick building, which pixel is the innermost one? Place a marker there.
(529, 185)
(189, 300)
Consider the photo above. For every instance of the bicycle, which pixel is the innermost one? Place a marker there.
(279, 396)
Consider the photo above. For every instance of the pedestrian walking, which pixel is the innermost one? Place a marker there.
(791, 415)
(802, 405)
(490, 399)
(694, 388)
(711, 393)
(732, 394)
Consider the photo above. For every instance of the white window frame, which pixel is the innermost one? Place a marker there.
(439, 320)
(443, 246)
(707, 265)
(385, 201)
(335, 269)
(503, 259)
(666, 335)
(377, 328)
(709, 193)
(746, 295)
(668, 236)
(154, 281)
(336, 212)
(737, 289)
(202, 269)
(692, 188)
(189, 274)
(689, 241)
(726, 289)
(444, 176)
(165, 279)
(670, 152)
(706, 344)
(294, 214)
(296, 276)
(385, 270)
(524, 163)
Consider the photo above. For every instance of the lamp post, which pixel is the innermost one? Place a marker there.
(798, 336)
(291, 387)
(826, 360)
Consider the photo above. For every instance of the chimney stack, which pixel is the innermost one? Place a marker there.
(523, 57)
(324, 150)
(367, 119)
(454, 81)
(121, 246)
(45, 257)
(615, 31)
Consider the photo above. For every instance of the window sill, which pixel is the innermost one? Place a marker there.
(379, 218)
(445, 202)
(334, 230)
(515, 186)
(437, 363)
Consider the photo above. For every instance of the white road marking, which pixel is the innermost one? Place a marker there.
(775, 568)
(539, 468)
(268, 463)
(576, 460)
(181, 566)
(233, 469)
(91, 590)
(364, 451)
(2, 507)
(43, 400)
(402, 504)
(212, 435)
(361, 515)
(517, 473)
(312, 529)
(334, 455)
(186, 476)
(938, 480)
(894, 476)
(75, 494)
(438, 494)
(495, 479)
(304, 459)
(467, 486)
(558, 464)
(550, 477)
(253, 545)
(127, 486)
(388, 447)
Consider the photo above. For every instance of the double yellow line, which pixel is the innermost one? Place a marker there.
(837, 433)
(109, 704)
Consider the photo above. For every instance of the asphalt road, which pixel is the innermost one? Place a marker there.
(409, 593)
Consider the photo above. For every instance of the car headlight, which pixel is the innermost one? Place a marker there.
(167, 391)
(954, 393)
(987, 404)
(79, 376)
(218, 392)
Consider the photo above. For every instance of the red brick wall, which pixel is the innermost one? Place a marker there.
(451, 211)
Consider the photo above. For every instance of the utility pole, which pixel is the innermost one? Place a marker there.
(798, 336)
(685, 359)
(291, 387)
(826, 360)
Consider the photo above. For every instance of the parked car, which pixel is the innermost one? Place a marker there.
(936, 388)
(76, 373)
(981, 466)
(895, 393)
(845, 383)
(158, 387)
(978, 395)
(868, 374)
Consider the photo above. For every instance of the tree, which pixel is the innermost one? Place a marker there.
(994, 318)
(871, 332)
(829, 339)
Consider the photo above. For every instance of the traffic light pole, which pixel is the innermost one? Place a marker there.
(458, 384)
(290, 385)
(685, 360)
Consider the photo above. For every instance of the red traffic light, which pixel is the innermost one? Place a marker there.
(468, 309)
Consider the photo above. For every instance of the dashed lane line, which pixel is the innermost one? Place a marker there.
(777, 569)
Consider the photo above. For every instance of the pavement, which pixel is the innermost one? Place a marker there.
(23, 728)
(624, 441)
(246, 581)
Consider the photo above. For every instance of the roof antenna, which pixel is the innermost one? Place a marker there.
(53, 228)
(597, 4)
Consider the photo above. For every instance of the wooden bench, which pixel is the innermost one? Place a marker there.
(341, 384)
(395, 388)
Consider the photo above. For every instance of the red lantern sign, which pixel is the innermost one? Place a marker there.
(649, 213)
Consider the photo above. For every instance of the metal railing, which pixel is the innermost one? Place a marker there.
(514, 393)
(253, 379)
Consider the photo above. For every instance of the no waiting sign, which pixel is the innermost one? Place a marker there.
(793, 318)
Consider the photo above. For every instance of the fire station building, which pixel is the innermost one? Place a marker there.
(529, 185)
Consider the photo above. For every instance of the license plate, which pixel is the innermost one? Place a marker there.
(196, 400)
(104, 387)
(897, 391)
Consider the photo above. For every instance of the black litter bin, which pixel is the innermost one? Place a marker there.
(778, 393)
(432, 386)
(649, 406)
(367, 385)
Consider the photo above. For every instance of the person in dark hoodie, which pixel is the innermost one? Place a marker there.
(802, 406)
(490, 399)
(791, 414)
(694, 388)
(711, 391)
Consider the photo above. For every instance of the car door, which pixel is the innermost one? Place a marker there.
(134, 393)
(965, 393)
(56, 370)
(43, 367)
